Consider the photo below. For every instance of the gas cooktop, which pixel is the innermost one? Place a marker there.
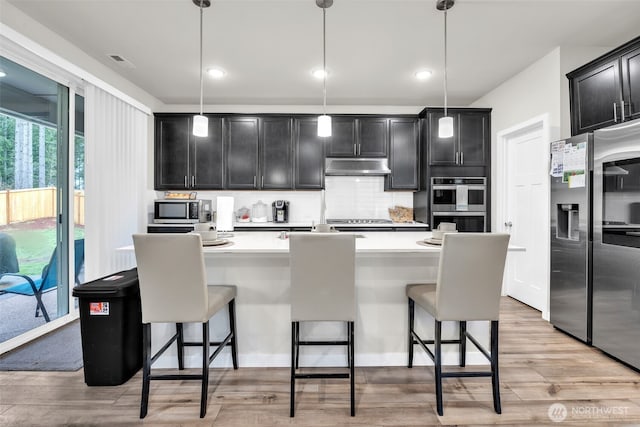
(359, 221)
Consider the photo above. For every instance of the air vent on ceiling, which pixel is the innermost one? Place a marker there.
(121, 61)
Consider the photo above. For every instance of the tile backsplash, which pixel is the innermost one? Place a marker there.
(345, 197)
(362, 197)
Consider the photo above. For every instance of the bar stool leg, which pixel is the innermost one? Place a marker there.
(352, 367)
(146, 368)
(411, 312)
(294, 343)
(232, 327)
(205, 369)
(438, 365)
(495, 380)
(180, 341)
(463, 343)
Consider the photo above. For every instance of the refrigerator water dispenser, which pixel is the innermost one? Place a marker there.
(568, 222)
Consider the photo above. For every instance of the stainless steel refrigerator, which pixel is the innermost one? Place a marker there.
(616, 241)
(571, 236)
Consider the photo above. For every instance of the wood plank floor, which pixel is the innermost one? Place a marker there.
(539, 367)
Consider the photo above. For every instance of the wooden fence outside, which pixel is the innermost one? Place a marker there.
(35, 203)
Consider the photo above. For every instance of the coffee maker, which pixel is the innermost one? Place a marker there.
(280, 211)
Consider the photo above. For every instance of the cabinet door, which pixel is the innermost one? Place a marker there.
(342, 142)
(404, 154)
(207, 169)
(472, 137)
(373, 137)
(631, 84)
(276, 153)
(442, 151)
(241, 151)
(309, 155)
(596, 95)
(172, 153)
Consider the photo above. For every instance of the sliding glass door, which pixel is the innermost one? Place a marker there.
(36, 242)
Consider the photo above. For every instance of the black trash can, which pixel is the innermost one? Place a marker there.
(111, 328)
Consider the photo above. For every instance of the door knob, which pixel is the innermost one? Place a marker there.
(508, 224)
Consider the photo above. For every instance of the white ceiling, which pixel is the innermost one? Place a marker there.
(269, 48)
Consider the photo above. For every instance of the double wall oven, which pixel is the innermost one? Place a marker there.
(461, 200)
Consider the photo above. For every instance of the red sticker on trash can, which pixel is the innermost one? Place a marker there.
(98, 308)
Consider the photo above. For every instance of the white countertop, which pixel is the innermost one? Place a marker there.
(268, 242)
(307, 225)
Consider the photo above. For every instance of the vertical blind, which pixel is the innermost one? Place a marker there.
(116, 144)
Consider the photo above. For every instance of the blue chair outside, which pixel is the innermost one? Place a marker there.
(47, 280)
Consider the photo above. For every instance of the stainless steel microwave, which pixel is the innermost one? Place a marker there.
(167, 211)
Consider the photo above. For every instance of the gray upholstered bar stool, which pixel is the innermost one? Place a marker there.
(173, 289)
(322, 289)
(468, 287)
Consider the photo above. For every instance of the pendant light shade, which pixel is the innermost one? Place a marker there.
(200, 122)
(324, 125)
(324, 121)
(445, 124)
(200, 125)
(445, 127)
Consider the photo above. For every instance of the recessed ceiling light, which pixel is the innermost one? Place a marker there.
(216, 73)
(319, 73)
(2, 74)
(423, 74)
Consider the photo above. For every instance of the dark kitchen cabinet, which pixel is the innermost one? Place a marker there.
(276, 153)
(606, 91)
(631, 83)
(358, 137)
(184, 161)
(403, 158)
(372, 137)
(595, 98)
(470, 141)
(342, 142)
(309, 155)
(241, 153)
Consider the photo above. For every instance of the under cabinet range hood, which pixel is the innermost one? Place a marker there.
(357, 166)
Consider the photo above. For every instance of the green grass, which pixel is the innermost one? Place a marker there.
(35, 244)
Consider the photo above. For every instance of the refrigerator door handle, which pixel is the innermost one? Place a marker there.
(615, 112)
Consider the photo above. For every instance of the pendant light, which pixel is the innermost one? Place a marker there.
(200, 122)
(324, 121)
(445, 124)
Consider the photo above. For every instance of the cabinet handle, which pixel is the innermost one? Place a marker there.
(186, 184)
(262, 182)
(193, 180)
(462, 157)
(358, 149)
(457, 154)
(355, 150)
(622, 110)
(615, 113)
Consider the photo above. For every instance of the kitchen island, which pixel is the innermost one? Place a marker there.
(258, 264)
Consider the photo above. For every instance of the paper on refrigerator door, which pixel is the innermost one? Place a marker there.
(462, 197)
(224, 213)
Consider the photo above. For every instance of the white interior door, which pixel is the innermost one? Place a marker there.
(526, 214)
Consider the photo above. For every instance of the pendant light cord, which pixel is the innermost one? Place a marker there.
(324, 61)
(445, 59)
(201, 78)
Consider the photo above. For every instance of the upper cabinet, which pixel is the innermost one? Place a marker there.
(241, 153)
(403, 159)
(358, 137)
(469, 145)
(184, 161)
(309, 155)
(606, 91)
(276, 153)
